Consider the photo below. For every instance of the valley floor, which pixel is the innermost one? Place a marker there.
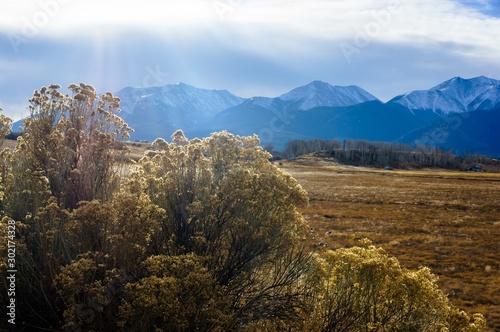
(448, 221)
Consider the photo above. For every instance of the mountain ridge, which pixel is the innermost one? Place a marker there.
(318, 93)
(314, 110)
(456, 95)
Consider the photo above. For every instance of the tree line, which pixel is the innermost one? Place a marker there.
(381, 154)
(198, 235)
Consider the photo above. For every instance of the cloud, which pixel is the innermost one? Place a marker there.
(262, 27)
(73, 15)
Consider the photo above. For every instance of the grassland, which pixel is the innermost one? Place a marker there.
(448, 221)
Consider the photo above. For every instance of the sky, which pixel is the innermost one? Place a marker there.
(249, 47)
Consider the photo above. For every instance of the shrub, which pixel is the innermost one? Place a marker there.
(70, 141)
(362, 289)
(225, 202)
(5, 127)
(177, 294)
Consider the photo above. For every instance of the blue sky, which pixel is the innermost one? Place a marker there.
(249, 47)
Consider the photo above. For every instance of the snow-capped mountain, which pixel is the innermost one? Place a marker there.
(319, 93)
(303, 98)
(181, 95)
(261, 115)
(457, 95)
(181, 102)
(156, 111)
(314, 94)
(487, 100)
(321, 110)
(315, 110)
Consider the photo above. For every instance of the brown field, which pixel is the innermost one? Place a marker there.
(448, 221)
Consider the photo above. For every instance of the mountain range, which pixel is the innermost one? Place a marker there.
(459, 114)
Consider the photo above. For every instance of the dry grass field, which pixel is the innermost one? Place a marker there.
(448, 221)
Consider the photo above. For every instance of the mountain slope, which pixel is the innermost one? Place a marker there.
(317, 93)
(314, 94)
(470, 132)
(158, 111)
(371, 120)
(457, 95)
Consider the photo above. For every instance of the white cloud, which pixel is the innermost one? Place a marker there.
(71, 16)
(259, 20)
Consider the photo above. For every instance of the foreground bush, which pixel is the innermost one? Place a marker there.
(200, 235)
(362, 289)
(229, 206)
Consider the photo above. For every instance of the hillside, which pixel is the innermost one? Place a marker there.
(471, 132)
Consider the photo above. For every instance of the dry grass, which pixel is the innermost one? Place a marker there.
(9, 143)
(448, 221)
(136, 150)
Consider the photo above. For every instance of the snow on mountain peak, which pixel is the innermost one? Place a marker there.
(318, 93)
(460, 83)
(195, 102)
(456, 95)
